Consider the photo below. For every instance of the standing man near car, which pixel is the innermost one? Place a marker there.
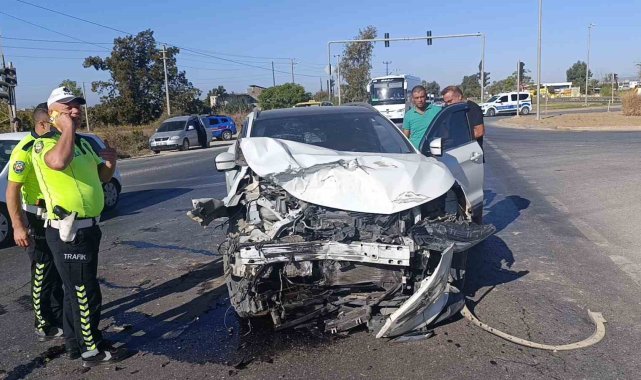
(29, 231)
(70, 175)
(419, 117)
(453, 95)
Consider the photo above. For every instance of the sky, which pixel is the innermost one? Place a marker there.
(238, 33)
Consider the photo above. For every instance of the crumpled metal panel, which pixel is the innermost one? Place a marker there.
(425, 304)
(364, 182)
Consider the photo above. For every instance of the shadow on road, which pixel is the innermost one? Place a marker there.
(132, 202)
(504, 212)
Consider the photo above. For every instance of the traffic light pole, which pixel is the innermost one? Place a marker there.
(518, 87)
(426, 38)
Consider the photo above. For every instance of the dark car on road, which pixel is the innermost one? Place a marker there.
(221, 126)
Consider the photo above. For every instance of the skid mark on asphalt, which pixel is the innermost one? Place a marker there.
(633, 270)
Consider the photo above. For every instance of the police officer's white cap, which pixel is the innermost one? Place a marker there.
(63, 95)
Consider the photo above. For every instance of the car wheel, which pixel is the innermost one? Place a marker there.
(185, 145)
(6, 232)
(156, 151)
(491, 112)
(112, 194)
(226, 135)
(525, 111)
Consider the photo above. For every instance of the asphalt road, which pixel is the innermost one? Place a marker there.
(564, 207)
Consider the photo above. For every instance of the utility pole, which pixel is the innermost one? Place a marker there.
(338, 76)
(482, 69)
(612, 89)
(84, 94)
(273, 75)
(321, 83)
(387, 63)
(538, 68)
(164, 63)
(293, 63)
(518, 87)
(587, 66)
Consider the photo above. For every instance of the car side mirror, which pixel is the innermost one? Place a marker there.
(190, 128)
(225, 161)
(436, 147)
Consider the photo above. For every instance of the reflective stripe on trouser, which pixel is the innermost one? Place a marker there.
(77, 263)
(46, 286)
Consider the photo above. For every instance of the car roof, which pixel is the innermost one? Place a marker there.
(308, 111)
(13, 135)
(178, 118)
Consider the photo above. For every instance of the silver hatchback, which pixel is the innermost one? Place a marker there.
(180, 132)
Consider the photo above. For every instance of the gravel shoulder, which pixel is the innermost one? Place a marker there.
(603, 121)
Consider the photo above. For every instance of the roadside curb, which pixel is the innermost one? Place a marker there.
(506, 124)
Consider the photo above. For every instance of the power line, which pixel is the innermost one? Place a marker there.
(168, 43)
(51, 30)
(43, 57)
(52, 49)
(53, 41)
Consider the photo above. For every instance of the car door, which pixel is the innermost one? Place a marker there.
(503, 105)
(462, 154)
(192, 132)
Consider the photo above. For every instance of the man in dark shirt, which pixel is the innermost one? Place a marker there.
(452, 95)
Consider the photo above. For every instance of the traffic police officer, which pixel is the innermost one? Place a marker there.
(29, 231)
(70, 175)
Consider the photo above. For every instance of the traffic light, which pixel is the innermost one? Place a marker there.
(616, 81)
(386, 40)
(429, 40)
(521, 70)
(9, 74)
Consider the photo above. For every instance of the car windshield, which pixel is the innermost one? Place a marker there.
(6, 147)
(170, 126)
(387, 91)
(492, 99)
(350, 132)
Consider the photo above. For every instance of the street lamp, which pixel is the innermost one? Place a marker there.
(338, 76)
(538, 66)
(587, 66)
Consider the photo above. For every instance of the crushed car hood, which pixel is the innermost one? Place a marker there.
(353, 181)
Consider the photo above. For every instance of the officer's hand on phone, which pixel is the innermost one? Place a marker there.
(109, 154)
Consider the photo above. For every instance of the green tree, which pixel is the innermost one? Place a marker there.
(136, 90)
(320, 96)
(431, 87)
(283, 96)
(356, 65)
(470, 86)
(576, 74)
(217, 91)
(72, 86)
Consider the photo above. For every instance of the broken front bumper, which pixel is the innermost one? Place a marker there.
(249, 259)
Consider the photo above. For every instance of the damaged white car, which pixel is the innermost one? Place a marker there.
(335, 220)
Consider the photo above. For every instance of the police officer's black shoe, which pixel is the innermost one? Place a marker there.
(72, 354)
(49, 334)
(107, 356)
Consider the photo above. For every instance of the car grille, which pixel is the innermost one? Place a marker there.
(162, 139)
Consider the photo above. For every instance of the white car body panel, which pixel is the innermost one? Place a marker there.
(362, 182)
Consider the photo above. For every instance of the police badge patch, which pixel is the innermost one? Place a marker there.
(18, 167)
(38, 146)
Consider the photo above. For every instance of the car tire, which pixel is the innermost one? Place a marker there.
(6, 231)
(156, 151)
(226, 135)
(491, 112)
(184, 146)
(525, 111)
(112, 194)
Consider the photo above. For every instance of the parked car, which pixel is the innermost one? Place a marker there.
(8, 141)
(313, 103)
(334, 215)
(221, 126)
(180, 132)
(505, 103)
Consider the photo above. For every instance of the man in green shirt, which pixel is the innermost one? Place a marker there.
(70, 174)
(418, 118)
(29, 231)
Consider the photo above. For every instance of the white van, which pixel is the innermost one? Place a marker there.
(505, 103)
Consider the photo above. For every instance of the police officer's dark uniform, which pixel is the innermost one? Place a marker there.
(46, 286)
(76, 191)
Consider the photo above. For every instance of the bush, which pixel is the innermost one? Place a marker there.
(631, 104)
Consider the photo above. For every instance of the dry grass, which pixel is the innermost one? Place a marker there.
(129, 141)
(631, 104)
(578, 121)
